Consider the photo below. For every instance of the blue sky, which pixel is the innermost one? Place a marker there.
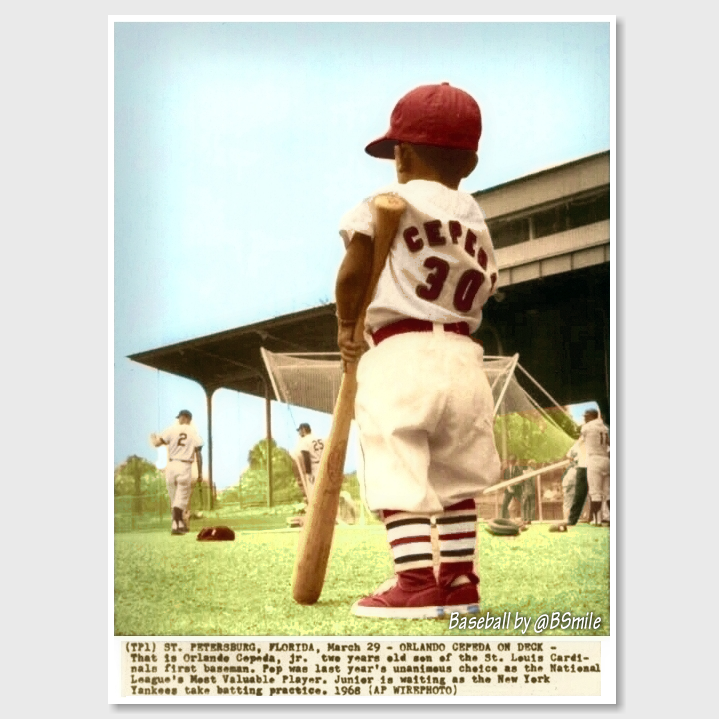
(239, 145)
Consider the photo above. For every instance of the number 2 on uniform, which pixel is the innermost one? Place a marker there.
(465, 292)
(318, 445)
(181, 439)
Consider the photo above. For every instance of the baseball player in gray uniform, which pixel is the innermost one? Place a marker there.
(184, 445)
(308, 454)
(596, 441)
(424, 407)
(569, 479)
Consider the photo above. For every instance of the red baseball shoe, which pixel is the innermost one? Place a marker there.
(408, 595)
(462, 598)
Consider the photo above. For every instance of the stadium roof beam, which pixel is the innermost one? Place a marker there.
(232, 359)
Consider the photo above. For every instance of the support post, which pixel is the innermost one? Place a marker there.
(208, 395)
(268, 424)
(538, 490)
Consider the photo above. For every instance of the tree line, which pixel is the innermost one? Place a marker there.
(140, 485)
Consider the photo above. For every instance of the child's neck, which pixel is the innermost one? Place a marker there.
(431, 176)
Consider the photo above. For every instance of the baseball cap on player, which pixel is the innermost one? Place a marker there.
(305, 426)
(591, 414)
(184, 413)
(439, 115)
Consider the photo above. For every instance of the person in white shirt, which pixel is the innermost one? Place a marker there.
(595, 435)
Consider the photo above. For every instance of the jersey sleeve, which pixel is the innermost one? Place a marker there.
(358, 219)
(166, 434)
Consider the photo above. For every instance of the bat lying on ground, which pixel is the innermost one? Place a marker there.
(526, 475)
(316, 536)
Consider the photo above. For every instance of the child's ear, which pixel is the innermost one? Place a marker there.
(401, 157)
(471, 164)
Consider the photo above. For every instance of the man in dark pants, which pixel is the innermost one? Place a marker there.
(529, 495)
(511, 471)
(578, 454)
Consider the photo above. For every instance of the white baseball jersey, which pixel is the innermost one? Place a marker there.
(596, 437)
(181, 441)
(314, 446)
(424, 407)
(441, 267)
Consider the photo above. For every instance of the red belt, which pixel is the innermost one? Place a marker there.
(414, 325)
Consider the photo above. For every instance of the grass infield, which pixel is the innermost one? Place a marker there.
(177, 586)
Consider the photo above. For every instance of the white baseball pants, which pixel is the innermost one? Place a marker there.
(178, 477)
(424, 411)
(598, 477)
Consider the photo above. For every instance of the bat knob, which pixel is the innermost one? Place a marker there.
(390, 202)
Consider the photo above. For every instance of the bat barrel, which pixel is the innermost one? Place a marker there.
(316, 535)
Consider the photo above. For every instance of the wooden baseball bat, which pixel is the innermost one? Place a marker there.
(316, 536)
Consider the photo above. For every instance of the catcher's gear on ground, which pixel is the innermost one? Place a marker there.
(216, 534)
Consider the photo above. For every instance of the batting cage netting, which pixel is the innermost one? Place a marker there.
(529, 425)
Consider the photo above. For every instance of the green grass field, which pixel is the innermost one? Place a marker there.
(177, 586)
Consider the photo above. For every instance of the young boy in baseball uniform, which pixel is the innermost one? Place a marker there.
(184, 445)
(424, 408)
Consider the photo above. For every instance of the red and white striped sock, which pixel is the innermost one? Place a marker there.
(410, 539)
(457, 530)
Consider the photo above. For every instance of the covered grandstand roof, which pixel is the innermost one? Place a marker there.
(232, 359)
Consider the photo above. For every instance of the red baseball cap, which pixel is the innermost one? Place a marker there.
(439, 115)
